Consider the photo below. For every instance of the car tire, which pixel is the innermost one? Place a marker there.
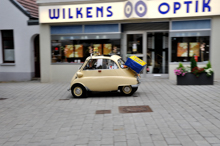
(78, 91)
(127, 90)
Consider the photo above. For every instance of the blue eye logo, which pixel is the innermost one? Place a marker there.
(140, 8)
(128, 9)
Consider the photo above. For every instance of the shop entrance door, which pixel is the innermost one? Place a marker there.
(157, 54)
(152, 47)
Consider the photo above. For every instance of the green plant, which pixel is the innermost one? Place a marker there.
(193, 63)
(208, 69)
(208, 65)
(180, 65)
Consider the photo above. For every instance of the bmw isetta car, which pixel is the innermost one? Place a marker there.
(102, 74)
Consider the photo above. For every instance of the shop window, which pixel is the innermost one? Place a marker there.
(76, 51)
(8, 46)
(134, 44)
(183, 48)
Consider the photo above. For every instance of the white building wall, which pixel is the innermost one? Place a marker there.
(23, 68)
(215, 47)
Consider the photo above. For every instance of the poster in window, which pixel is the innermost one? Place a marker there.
(99, 46)
(68, 50)
(78, 50)
(107, 49)
(182, 50)
(194, 49)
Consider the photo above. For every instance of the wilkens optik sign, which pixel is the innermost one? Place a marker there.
(128, 10)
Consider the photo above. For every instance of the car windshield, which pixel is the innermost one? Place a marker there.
(83, 64)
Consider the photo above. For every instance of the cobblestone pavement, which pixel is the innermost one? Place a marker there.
(182, 116)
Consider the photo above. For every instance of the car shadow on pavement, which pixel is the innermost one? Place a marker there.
(104, 94)
(101, 95)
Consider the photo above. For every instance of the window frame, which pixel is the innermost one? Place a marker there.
(3, 49)
(188, 57)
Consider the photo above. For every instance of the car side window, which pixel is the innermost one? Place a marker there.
(100, 64)
(93, 64)
(109, 64)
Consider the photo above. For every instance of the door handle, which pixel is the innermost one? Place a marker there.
(99, 70)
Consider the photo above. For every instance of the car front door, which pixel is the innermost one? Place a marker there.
(100, 75)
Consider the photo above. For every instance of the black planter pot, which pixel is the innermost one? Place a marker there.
(191, 79)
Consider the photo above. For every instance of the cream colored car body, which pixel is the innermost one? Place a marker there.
(105, 79)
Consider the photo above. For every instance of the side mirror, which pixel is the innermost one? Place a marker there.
(79, 74)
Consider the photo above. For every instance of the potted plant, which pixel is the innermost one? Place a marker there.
(194, 75)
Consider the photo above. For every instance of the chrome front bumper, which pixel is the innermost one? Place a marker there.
(135, 86)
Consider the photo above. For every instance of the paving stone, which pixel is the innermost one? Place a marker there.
(186, 141)
(202, 143)
(94, 143)
(147, 144)
(120, 144)
(119, 138)
(172, 141)
(213, 140)
(160, 143)
(133, 142)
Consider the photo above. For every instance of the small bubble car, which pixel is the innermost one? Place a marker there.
(102, 74)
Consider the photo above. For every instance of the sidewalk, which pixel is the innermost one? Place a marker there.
(34, 115)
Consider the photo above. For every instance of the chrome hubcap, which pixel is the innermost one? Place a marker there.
(78, 91)
(127, 89)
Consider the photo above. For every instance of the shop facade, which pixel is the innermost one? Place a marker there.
(161, 33)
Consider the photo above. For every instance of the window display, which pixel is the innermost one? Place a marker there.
(107, 49)
(76, 51)
(99, 46)
(183, 48)
(194, 49)
(68, 51)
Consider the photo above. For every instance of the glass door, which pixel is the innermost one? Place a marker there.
(157, 53)
(135, 45)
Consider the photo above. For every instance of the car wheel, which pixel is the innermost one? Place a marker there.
(127, 90)
(78, 91)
